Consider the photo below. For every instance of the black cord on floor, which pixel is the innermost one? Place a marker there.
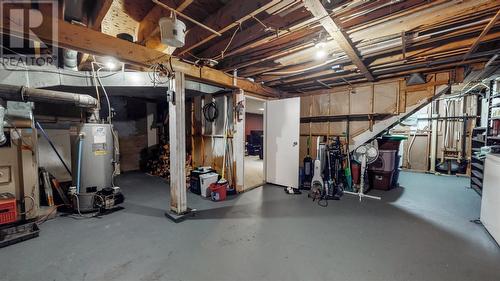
(477, 221)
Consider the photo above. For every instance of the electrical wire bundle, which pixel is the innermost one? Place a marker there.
(210, 111)
(157, 74)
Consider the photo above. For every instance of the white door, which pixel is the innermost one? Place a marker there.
(282, 142)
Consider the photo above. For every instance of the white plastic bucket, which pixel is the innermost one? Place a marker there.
(172, 31)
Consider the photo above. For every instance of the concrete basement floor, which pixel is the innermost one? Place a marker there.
(419, 232)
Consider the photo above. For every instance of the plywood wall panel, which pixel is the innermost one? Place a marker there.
(415, 97)
(339, 103)
(338, 128)
(321, 105)
(320, 128)
(385, 97)
(305, 129)
(361, 100)
(358, 127)
(305, 106)
(419, 153)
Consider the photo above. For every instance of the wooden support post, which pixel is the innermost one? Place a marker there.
(239, 141)
(177, 133)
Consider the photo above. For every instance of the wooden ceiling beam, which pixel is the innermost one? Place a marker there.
(481, 36)
(420, 18)
(428, 51)
(285, 44)
(424, 55)
(445, 11)
(99, 11)
(342, 39)
(263, 65)
(257, 67)
(86, 40)
(225, 19)
(390, 8)
(279, 26)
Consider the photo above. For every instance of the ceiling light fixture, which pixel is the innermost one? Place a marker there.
(320, 54)
(111, 63)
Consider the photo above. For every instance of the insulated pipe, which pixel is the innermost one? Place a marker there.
(79, 164)
(25, 94)
(3, 139)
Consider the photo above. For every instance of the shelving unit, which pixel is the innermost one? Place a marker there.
(477, 165)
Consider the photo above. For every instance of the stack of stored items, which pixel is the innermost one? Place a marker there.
(158, 162)
(201, 179)
(8, 209)
(383, 174)
(13, 230)
(160, 165)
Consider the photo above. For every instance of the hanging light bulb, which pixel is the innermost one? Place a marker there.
(321, 52)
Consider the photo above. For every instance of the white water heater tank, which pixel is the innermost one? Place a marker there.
(173, 31)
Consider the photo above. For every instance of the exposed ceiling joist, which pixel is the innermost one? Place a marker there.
(93, 42)
(343, 40)
(101, 8)
(231, 15)
(259, 33)
(481, 36)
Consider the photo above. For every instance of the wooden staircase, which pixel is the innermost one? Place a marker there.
(362, 112)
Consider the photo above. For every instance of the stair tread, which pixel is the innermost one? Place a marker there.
(477, 182)
(477, 165)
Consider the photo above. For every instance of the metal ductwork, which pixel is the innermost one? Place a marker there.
(25, 94)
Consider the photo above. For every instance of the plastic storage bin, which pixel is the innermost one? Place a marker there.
(205, 181)
(385, 162)
(8, 211)
(380, 180)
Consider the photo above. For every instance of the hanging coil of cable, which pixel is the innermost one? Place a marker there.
(210, 111)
